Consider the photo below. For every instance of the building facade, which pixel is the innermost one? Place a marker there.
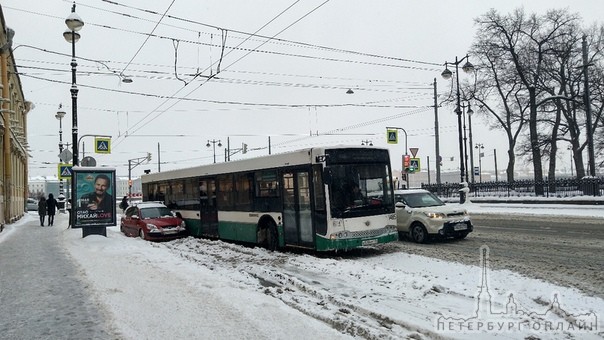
(13, 130)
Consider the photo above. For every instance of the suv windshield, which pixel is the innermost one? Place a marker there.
(360, 189)
(419, 199)
(155, 212)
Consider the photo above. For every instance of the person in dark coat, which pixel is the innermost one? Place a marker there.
(124, 204)
(42, 209)
(51, 204)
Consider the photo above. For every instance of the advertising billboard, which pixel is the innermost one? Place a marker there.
(95, 204)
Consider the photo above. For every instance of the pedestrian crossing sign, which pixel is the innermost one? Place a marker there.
(65, 171)
(415, 164)
(102, 145)
(392, 136)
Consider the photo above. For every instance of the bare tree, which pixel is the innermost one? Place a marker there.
(523, 48)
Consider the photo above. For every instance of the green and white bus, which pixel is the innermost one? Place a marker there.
(314, 198)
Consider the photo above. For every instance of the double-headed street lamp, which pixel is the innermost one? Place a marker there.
(60, 114)
(213, 141)
(74, 24)
(467, 67)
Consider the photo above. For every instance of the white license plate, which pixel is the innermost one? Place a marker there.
(460, 226)
(369, 242)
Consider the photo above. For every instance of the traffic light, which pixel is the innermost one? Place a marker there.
(244, 148)
(406, 162)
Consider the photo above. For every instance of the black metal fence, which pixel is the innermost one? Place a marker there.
(565, 187)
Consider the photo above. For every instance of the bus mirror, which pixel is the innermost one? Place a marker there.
(327, 176)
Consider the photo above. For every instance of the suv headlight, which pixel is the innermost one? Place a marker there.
(435, 215)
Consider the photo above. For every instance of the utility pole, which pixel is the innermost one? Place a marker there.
(590, 136)
(436, 138)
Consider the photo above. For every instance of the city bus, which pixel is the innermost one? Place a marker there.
(322, 199)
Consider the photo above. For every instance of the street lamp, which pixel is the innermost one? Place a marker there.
(213, 141)
(467, 67)
(74, 24)
(470, 112)
(367, 142)
(60, 114)
(480, 146)
(465, 139)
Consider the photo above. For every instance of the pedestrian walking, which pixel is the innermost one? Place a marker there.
(68, 208)
(51, 204)
(42, 209)
(124, 204)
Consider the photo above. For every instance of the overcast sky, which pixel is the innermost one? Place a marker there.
(387, 52)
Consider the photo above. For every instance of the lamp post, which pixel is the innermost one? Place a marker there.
(480, 146)
(60, 114)
(467, 67)
(74, 24)
(465, 140)
(470, 112)
(213, 141)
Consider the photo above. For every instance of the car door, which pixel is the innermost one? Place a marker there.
(128, 223)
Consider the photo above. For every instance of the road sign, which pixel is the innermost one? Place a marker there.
(102, 145)
(392, 136)
(414, 165)
(65, 171)
(65, 156)
(414, 151)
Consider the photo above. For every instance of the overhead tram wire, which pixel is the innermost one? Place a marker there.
(279, 53)
(182, 88)
(273, 105)
(260, 36)
(208, 79)
(358, 125)
(148, 36)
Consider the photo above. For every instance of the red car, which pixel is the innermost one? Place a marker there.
(152, 221)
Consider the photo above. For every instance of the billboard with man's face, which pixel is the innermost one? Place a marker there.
(95, 203)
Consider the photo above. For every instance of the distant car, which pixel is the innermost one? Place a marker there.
(421, 215)
(152, 221)
(32, 204)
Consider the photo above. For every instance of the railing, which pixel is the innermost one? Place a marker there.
(565, 187)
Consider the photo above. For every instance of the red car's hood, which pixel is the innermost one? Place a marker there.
(164, 221)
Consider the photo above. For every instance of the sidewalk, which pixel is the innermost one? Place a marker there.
(42, 292)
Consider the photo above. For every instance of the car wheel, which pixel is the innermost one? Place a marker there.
(418, 233)
(461, 236)
(141, 234)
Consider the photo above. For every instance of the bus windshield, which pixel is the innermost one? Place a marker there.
(360, 190)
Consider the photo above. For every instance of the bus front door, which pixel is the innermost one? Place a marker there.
(297, 217)
(208, 212)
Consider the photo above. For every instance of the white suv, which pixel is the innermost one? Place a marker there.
(420, 215)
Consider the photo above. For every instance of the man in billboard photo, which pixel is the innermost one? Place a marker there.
(98, 200)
